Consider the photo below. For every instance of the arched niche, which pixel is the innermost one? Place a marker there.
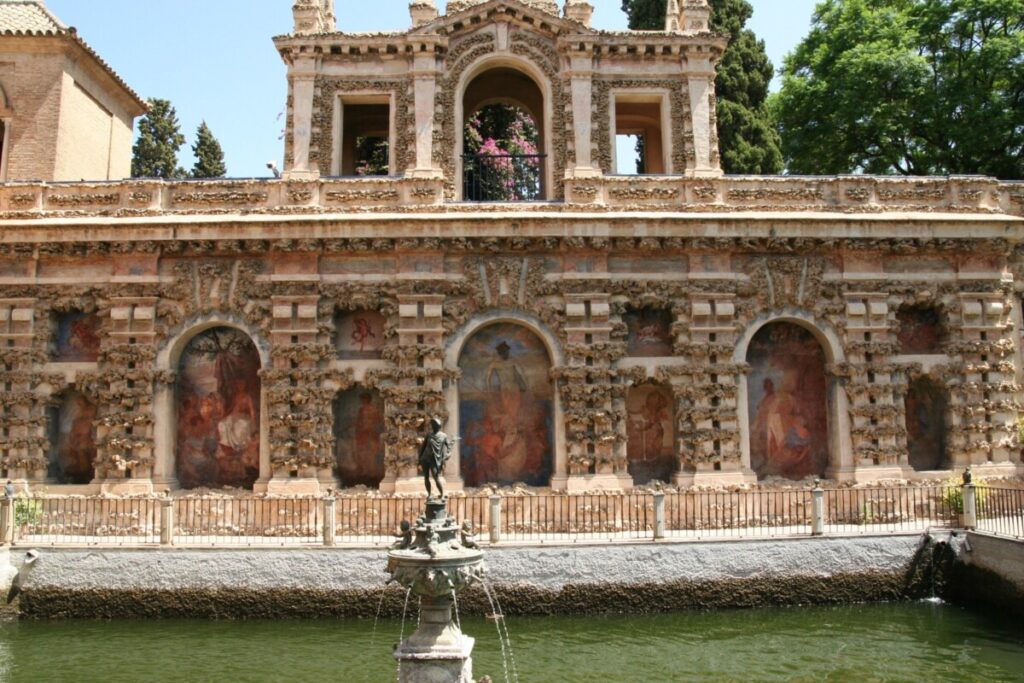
(927, 404)
(506, 407)
(218, 416)
(359, 437)
(787, 402)
(651, 434)
(72, 436)
(508, 80)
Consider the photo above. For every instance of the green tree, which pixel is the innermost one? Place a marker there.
(913, 87)
(209, 155)
(747, 138)
(155, 152)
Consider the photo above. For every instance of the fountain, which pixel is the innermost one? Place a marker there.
(434, 560)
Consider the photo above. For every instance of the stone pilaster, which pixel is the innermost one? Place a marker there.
(302, 85)
(581, 74)
(23, 442)
(425, 74)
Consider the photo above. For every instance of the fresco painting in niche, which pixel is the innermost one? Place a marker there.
(926, 406)
(920, 330)
(359, 437)
(78, 338)
(787, 403)
(360, 335)
(219, 411)
(72, 440)
(649, 332)
(650, 434)
(505, 408)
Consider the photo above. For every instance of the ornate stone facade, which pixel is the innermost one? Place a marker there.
(751, 326)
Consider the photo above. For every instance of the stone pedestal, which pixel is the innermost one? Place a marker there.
(438, 652)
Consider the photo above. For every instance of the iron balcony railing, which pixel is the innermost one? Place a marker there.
(503, 177)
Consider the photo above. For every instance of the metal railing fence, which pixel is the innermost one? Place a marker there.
(503, 177)
(526, 517)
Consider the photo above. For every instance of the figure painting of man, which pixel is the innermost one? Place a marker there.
(77, 338)
(787, 398)
(218, 400)
(505, 401)
(650, 442)
(359, 334)
(73, 437)
(359, 437)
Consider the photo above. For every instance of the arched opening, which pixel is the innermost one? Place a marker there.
(503, 141)
(72, 435)
(787, 403)
(506, 401)
(921, 330)
(359, 437)
(651, 434)
(218, 410)
(926, 405)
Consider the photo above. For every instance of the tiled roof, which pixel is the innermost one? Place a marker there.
(28, 16)
(32, 18)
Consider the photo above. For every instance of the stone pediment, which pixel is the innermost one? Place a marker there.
(541, 15)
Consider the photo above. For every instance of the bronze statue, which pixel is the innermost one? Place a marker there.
(434, 453)
(404, 537)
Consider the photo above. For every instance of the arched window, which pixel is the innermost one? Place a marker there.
(506, 401)
(787, 401)
(503, 138)
(218, 410)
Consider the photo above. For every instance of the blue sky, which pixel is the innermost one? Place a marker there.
(214, 60)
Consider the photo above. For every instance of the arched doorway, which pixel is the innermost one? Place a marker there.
(72, 439)
(359, 437)
(651, 434)
(926, 406)
(787, 403)
(218, 411)
(503, 140)
(506, 401)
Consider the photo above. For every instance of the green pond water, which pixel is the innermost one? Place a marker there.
(906, 642)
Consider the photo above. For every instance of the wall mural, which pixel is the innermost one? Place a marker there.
(649, 332)
(920, 330)
(650, 432)
(78, 337)
(787, 402)
(359, 437)
(360, 334)
(72, 440)
(926, 406)
(219, 411)
(505, 408)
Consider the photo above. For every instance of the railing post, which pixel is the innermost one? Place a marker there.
(329, 510)
(817, 511)
(495, 519)
(659, 515)
(166, 520)
(7, 520)
(970, 519)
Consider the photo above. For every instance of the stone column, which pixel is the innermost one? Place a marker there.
(424, 73)
(700, 70)
(581, 73)
(302, 79)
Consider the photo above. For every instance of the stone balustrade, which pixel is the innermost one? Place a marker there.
(852, 194)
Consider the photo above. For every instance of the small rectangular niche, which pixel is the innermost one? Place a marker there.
(366, 137)
(640, 145)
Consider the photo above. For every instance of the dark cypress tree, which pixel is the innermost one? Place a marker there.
(747, 138)
(155, 152)
(209, 155)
